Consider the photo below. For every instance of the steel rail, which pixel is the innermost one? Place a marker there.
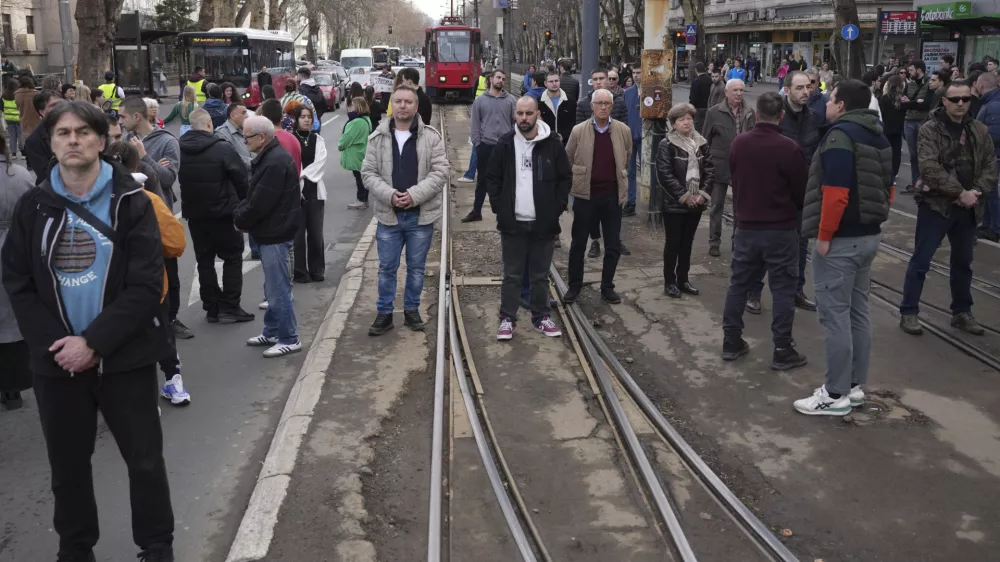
(944, 270)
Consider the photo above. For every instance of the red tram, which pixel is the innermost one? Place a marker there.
(453, 54)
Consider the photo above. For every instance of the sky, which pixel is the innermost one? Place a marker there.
(434, 8)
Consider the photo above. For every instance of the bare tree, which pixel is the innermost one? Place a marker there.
(97, 21)
(694, 12)
(850, 55)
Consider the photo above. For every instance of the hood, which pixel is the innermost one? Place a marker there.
(212, 102)
(992, 95)
(546, 96)
(867, 118)
(489, 92)
(308, 82)
(156, 133)
(536, 92)
(196, 142)
(941, 114)
(351, 115)
(139, 177)
(310, 88)
(384, 129)
(102, 185)
(196, 77)
(814, 95)
(543, 133)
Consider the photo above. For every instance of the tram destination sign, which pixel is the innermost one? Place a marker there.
(899, 23)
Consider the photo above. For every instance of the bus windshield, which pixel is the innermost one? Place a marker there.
(351, 62)
(453, 46)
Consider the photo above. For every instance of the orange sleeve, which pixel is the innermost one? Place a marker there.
(834, 203)
(171, 230)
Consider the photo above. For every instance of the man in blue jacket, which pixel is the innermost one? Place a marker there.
(635, 125)
(737, 72)
(989, 115)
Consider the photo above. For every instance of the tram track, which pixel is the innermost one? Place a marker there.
(611, 386)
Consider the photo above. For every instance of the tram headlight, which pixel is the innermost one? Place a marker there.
(465, 79)
(441, 79)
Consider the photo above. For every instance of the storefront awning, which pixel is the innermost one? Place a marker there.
(975, 25)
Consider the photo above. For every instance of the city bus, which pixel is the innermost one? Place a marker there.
(382, 56)
(230, 54)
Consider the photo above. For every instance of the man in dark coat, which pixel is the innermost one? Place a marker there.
(567, 81)
(701, 89)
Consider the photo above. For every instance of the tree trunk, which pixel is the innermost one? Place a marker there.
(314, 24)
(206, 15)
(243, 12)
(694, 12)
(274, 14)
(257, 14)
(853, 52)
(97, 23)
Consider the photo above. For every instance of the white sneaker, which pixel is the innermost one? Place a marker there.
(277, 350)
(261, 340)
(174, 391)
(820, 404)
(262, 305)
(464, 179)
(856, 395)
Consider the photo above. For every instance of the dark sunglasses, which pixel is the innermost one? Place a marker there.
(957, 99)
(613, 79)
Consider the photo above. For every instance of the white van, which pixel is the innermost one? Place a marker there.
(351, 58)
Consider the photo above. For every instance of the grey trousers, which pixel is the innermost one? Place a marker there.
(754, 252)
(715, 214)
(843, 281)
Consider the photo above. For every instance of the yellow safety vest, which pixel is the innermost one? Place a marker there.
(10, 112)
(110, 92)
(198, 94)
(481, 86)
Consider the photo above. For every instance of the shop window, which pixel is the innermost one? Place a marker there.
(29, 24)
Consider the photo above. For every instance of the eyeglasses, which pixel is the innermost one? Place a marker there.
(959, 99)
(615, 79)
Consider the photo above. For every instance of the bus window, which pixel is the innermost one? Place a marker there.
(223, 64)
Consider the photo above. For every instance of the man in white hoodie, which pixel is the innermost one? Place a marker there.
(528, 181)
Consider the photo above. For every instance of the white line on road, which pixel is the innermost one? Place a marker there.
(253, 539)
(330, 120)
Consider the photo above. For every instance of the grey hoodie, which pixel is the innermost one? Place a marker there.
(492, 117)
(161, 144)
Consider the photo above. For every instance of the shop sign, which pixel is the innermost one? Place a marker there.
(934, 50)
(783, 36)
(949, 11)
(898, 23)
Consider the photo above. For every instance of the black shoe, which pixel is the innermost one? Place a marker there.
(89, 557)
(786, 359)
(381, 325)
(909, 189)
(753, 305)
(180, 330)
(157, 554)
(595, 249)
(413, 321)
(212, 317)
(472, 217)
(688, 288)
(672, 291)
(988, 234)
(301, 279)
(611, 296)
(11, 400)
(714, 251)
(803, 302)
(235, 316)
(318, 278)
(571, 294)
(624, 251)
(733, 349)
(628, 210)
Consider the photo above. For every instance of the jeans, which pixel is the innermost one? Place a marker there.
(843, 281)
(416, 238)
(127, 401)
(932, 227)
(173, 287)
(254, 248)
(470, 174)
(803, 254)
(715, 217)
(679, 229)
(362, 191)
(910, 129)
(781, 83)
(15, 140)
(896, 142)
(521, 249)
(604, 211)
(184, 130)
(279, 318)
(633, 159)
(991, 218)
(216, 238)
(482, 160)
(754, 252)
(310, 253)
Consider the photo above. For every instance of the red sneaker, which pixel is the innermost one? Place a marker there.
(506, 330)
(548, 327)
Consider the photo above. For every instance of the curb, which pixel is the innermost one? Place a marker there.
(253, 538)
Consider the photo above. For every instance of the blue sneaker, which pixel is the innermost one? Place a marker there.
(174, 391)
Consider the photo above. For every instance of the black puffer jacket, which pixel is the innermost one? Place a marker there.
(802, 128)
(127, 333)
(212, 176)
(271, 213)
(315, 95)
(671, 171)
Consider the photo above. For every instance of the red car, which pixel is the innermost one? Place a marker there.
(327, 82)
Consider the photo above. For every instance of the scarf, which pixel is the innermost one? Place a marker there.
(692, 179)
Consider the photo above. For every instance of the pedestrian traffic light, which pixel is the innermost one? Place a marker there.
(524, 26)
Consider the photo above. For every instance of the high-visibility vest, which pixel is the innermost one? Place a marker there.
(110, 92)
(198, 94)
(10, 112)
(481, 86)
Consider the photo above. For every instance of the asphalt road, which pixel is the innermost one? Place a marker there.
(213, 447)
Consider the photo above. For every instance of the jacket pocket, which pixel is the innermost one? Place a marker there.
(579, 170)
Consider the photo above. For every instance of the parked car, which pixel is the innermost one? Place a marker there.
(410, 61)
(342, 80)
(327, 82)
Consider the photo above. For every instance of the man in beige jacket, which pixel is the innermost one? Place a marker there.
(598, 149)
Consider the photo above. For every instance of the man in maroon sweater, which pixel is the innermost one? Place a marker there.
(769, 176)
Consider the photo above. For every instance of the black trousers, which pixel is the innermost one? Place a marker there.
(525, 248)
(310, 257)
(483, 153)
(217, 238)
(127, 401)
(896, 142)
(173, 287)
(754, 252)
(603, 210)
(362, 190)
(680, 229)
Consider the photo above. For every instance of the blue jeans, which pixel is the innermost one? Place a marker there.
(279, 318)
(470, 174)
(254, 248)
(991, 219)
(932, 227)
(416, 238)
(632, 161)
(910, 129)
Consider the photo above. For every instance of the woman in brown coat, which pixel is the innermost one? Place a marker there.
(24, 98)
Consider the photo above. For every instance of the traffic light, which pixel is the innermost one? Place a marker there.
(524, 26)
(548, 36)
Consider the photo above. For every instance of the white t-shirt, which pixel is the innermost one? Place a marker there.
(402, 137)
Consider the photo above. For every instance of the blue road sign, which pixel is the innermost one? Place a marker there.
(849, 32)
(691, 29)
